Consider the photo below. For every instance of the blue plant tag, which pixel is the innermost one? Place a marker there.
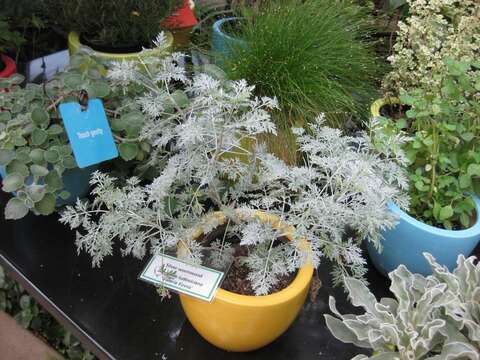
(89, 132)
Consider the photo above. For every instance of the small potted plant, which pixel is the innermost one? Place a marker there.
(41, 36)
(434, 317)
(36, 160)
(270, 221)
(181, 23)
(111, 29)
(430, 34)
(8, 40)
(279, 48)
(444, 172)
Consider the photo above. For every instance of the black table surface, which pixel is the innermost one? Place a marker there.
(117, 316)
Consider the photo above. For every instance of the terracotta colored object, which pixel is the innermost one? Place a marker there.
(10, 67)
(236, 322)
(182, 18)
(16, 343)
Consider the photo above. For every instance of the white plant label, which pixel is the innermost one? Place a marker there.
(194, 280)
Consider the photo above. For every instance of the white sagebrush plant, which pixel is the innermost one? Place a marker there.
(431, 318)
(206, 150)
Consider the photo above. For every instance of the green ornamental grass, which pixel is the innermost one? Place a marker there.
(313, 55)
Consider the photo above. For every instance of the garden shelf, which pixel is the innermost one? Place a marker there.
(117, 316)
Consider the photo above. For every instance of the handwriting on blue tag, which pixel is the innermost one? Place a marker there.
(89, 132)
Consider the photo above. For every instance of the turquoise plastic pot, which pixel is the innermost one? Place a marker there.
(222, 43)
(75, 181)
(410, 238)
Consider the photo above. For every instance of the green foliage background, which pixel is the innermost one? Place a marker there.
(25, 310)
(314, 56)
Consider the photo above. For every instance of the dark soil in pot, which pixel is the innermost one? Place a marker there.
(114, 49)
(394, 111)
(236, 280)
(233, 28)
(2, 65)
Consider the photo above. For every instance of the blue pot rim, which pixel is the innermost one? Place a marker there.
(217, 27)
(471, 231)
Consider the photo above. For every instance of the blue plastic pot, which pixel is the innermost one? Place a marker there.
(410, 238)
(75, 181)
(222, 43)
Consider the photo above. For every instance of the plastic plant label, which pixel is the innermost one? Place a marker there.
(177, 275)
(89, 132)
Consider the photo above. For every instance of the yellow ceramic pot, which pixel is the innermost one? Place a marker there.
(377, 105)
(74, 46)
(243, 323)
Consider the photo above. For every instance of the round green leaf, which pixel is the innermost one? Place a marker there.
(12, 182)
(51, 156)
(19, 141)
(101, 89)
(446, 212)
(118, 124)
(69, 162)
(5, 116)
(180, 98)
(65, 150)
(39, 136)
(6, 156)
(145, 146)
(55, 129)
(53, 181)
(64, 195)
(38, 170)
(46, 206)
(37, 156)
(40, 117)
(36, 192)
(15, 209)
(73, 81)
(23, 155)
(18, 167)
(128, 151)
(465, 181)
(133, 123)
(29, 203)
(473, 170)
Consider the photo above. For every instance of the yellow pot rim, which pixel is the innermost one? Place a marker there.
(74, 45)
(302, 279)
(377, 104)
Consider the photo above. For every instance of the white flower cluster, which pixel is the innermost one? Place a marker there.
(434, 30)
(206, 150)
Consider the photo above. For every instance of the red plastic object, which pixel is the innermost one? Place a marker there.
(10, 67)
(182, 18)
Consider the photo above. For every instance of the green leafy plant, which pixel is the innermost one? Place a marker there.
(391, 6)
(313, 55)
(443, 153)
(112, 23)
(9, 39)
(34, 148)
(210, 159)
(431, 318)
(29, 20)
(14, 300)
(433, 31)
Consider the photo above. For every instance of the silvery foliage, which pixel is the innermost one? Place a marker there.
(435, 317)
(337, 198)
(209, 159)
